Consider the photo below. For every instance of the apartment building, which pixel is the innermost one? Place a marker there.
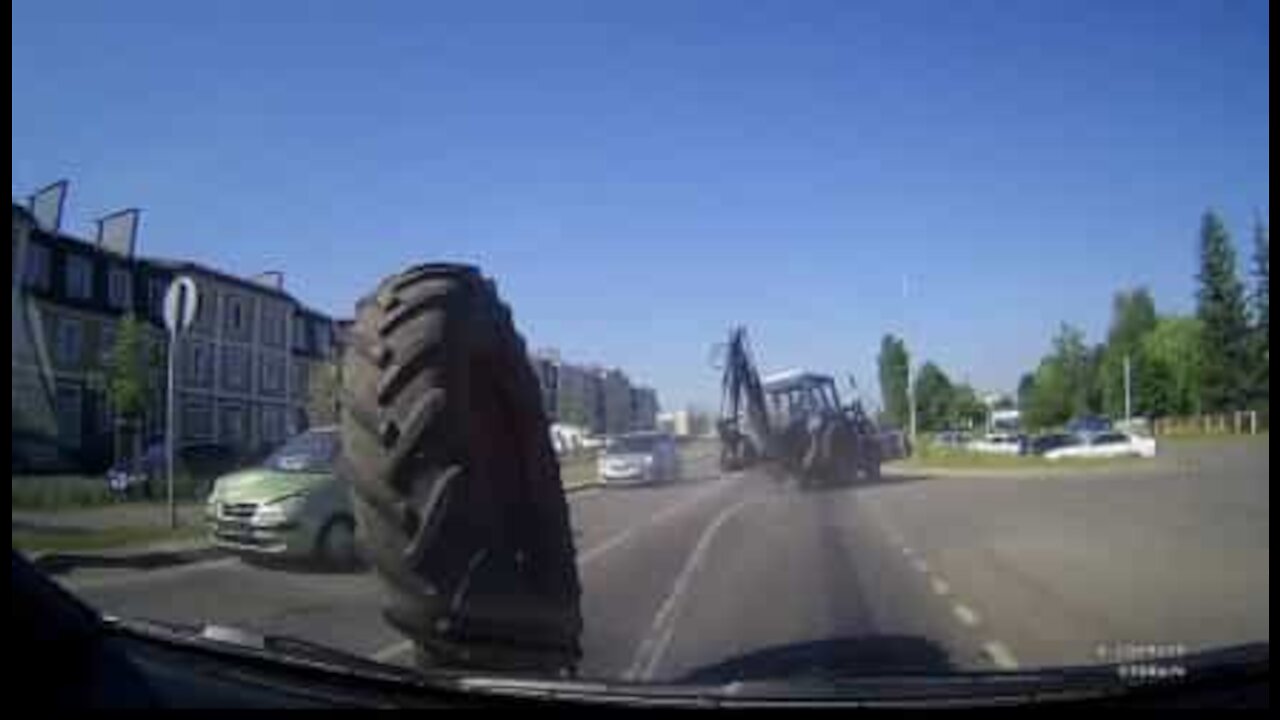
(234, 366)
(601, 400)
(614, 398)
(244, 366)
(644, 408)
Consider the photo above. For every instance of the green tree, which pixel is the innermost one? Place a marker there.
(933, 398)
(1026, 387)
(1048, 404)
(1094, 378)
(1174, 346)
(967, 410)
(131, 374)
(1154, 393)
(1133, 315)
(1261, 302)
(894, 363)
(324, 387)
(1074, 358)
(1062, 383)
(1220, 305)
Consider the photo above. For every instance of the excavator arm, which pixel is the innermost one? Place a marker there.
(745, 431)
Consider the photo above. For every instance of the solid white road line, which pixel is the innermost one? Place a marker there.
(392, 651)
(654, 646)
(1000, 655)
(965, 615)
(940, 586)
(588, 556)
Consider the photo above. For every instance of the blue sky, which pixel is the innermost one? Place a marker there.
(639, 176)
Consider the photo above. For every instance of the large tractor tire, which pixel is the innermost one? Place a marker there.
(456, 487)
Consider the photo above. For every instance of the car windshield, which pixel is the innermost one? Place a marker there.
(309, 452)
(632, 444)
(937, 332)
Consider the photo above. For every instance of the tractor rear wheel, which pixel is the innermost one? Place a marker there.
(456, 488)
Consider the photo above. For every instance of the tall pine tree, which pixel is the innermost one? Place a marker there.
(1261, 301)
(1225, 335)
(894, 364)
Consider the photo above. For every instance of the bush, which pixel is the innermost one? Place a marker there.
(55, 492)
(69, 492)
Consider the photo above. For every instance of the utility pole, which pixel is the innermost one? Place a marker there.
(911, 400)
(911, 386)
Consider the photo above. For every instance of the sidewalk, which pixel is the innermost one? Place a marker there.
(127, 514)
(1118, 466)
(114, 531)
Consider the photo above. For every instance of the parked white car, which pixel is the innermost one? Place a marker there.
(639, 458)
(1106, 445)
(996, 444)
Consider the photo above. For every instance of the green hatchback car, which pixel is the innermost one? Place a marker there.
(292, 505)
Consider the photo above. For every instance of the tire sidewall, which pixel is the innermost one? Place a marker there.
(325, 551)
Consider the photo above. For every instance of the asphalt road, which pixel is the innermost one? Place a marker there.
(726, 576)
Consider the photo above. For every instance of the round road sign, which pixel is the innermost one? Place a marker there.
(180, 304)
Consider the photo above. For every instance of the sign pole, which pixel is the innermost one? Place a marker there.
(169, 427)
(179, 312)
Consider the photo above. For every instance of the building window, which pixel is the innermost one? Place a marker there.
(199, 365)
(323, 343)
(157, 288)
(79, 277)
(273, 425)
(197, 419)
(120, 288)
(36, 272)
(198, 361)
(68, 407)
(274, 327)
(267, 326)
(300, 379)
(235, 369)
(237, 322)
(233, 426)
(69, 338)
(272, 379)
(107, 342)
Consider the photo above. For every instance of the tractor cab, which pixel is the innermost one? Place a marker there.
(798, 395)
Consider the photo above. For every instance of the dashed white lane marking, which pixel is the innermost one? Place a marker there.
(997, 652)
(654, 646)
(395, 650)
(965, 615)
(588, 556)
(1000, 655)
(392, 651)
